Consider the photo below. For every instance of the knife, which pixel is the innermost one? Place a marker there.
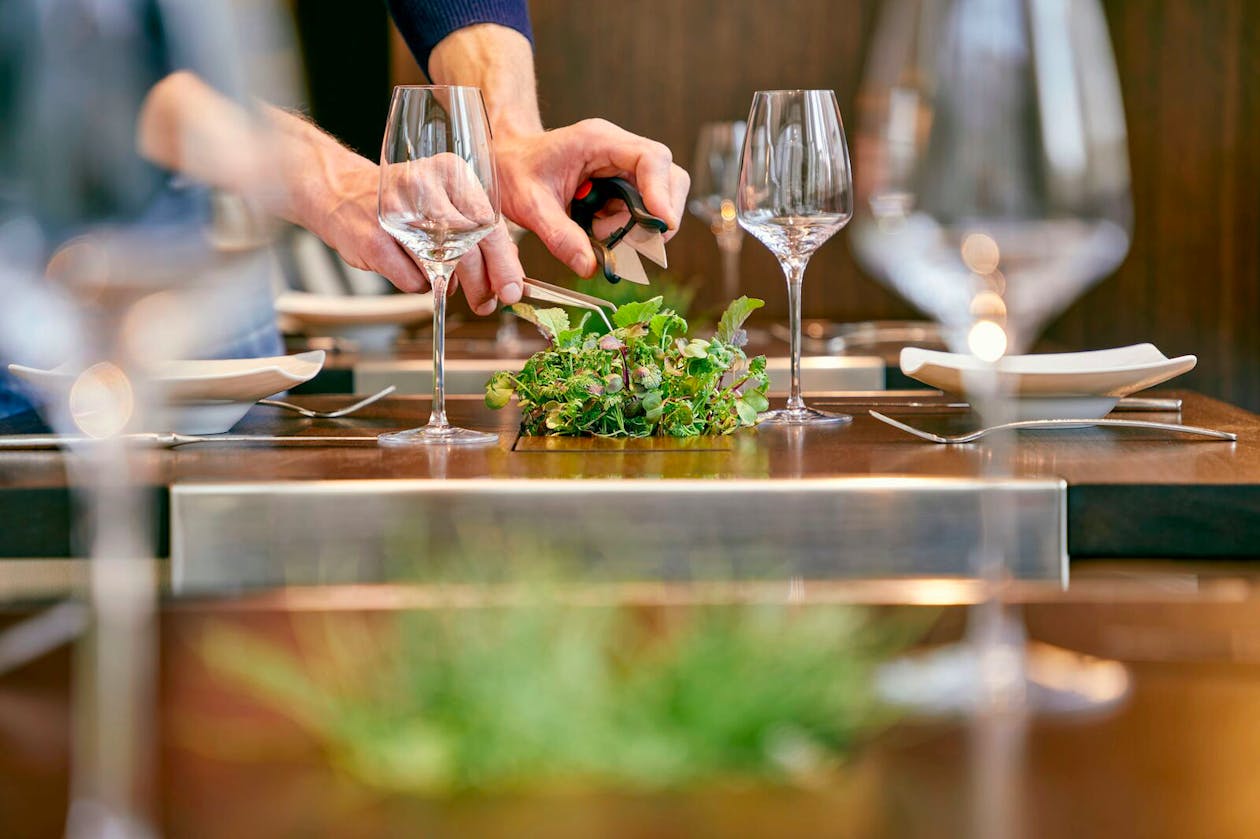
(643, 234)
(168, 440)
(1125, 404)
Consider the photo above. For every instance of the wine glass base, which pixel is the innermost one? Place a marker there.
(802, 416)
(437, 435)
(949, 681)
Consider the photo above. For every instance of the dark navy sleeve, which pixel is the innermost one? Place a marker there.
(423, 23)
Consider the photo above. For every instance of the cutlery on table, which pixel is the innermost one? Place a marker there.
(170, 440)
(972, 436)
(1135, 404)
(340, 412)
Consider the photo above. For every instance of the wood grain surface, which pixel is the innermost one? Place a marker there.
(1130, 492)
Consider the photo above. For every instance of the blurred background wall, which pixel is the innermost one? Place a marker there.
(1189, 71)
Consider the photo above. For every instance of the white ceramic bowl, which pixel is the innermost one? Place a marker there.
(203, 396)
(1084, 385)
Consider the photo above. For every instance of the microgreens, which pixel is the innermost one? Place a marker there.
(644, 378)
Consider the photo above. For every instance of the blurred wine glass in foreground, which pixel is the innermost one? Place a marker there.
(993, 189)
(715, 174)
(795, 192)
(109, 266)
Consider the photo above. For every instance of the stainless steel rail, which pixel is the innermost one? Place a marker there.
(309, 532)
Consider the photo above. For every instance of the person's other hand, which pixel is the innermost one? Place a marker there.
(540, 172)
(443, 192)
(337, 200)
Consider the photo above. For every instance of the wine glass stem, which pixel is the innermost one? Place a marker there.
(440, 278)
(794, 270)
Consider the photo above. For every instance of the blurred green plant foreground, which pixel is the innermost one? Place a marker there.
(542, 694)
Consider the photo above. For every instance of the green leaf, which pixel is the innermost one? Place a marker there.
(572, 337)
(730, 326)
(757, 401)
(747, 413)
(569, 338)
(696, 348)
(640, 312)
(652, 405)
(499, 390)
(664, 324)
(550, 322)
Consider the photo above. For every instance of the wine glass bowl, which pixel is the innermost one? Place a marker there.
(439, 197)
(795, 192)
(993, 171)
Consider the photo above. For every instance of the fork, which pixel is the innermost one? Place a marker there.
(340, 412)
(1053, 423)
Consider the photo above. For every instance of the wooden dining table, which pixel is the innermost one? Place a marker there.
(1129, 493)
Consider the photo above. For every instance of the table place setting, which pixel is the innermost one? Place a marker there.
(204, 400)
(1053, 391)
(200, 396)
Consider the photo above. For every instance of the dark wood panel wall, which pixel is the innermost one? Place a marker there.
(1190, 71)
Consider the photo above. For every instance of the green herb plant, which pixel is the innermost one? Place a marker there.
(644, 378)
(545, 694)
(677, 296)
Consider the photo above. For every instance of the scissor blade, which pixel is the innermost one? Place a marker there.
(648, 242)
(626, 263)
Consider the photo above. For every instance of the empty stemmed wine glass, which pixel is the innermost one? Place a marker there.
(439, 197)
(715, 171)
(795, 192)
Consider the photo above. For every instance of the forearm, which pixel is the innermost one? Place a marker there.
(319, 173)
(187, 126)
(271, 157)
(500, 61)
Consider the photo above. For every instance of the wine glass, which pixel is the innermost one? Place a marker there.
(112, 266)
(439, 197)
(993, 188)
(795, 192)
(716, 176)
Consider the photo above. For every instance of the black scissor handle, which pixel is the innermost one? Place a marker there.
(593, 194)
(591, 197)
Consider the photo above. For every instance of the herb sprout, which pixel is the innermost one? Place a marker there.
(677, 296)
(644, 378)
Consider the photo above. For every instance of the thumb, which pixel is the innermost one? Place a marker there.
(560, 234)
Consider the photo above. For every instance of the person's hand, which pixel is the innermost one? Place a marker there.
(539, 173)
(443, 192)
(335, 197)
